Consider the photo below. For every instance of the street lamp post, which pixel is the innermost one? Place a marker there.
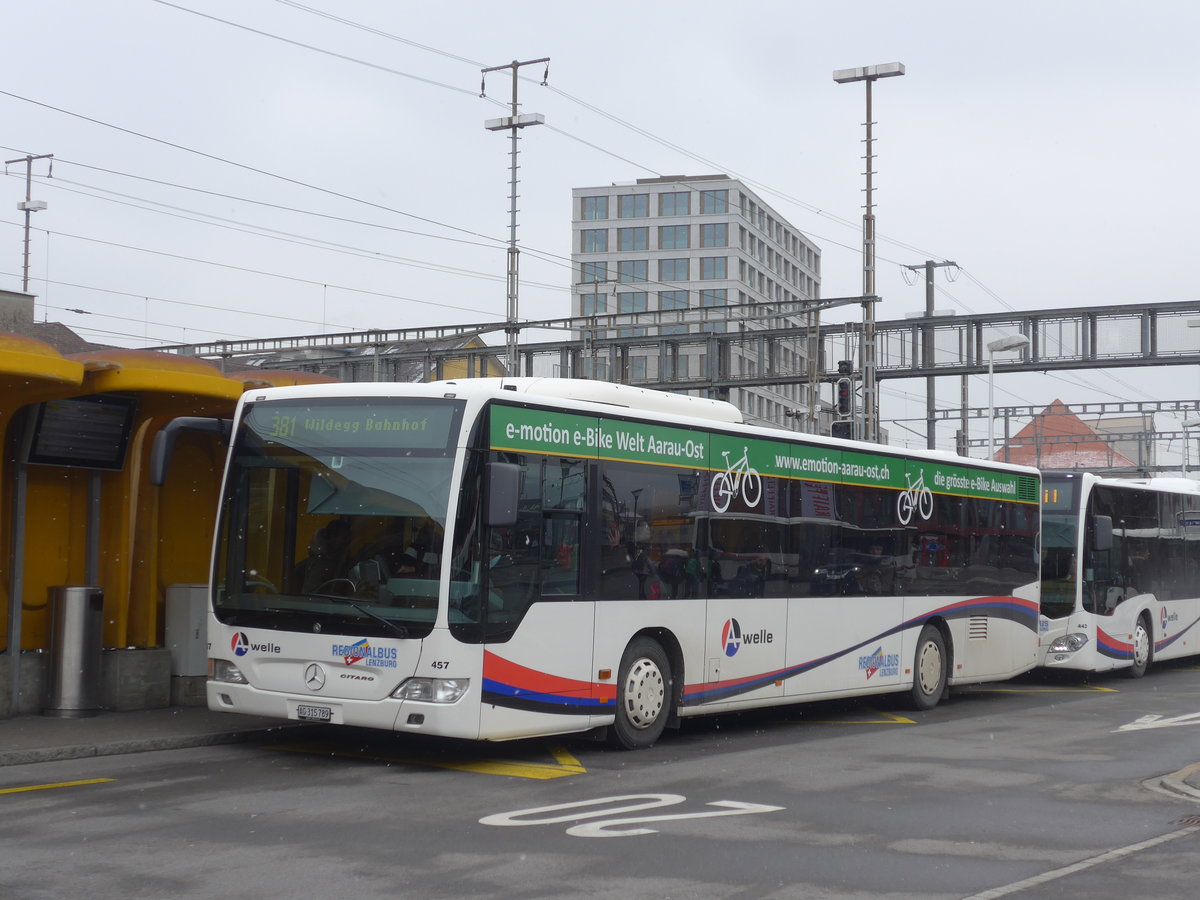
(1015, 342)
(869, 74)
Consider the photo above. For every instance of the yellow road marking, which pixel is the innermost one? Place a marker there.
(1090, 689)
(564, 763)
(884, 718)
(46, 787)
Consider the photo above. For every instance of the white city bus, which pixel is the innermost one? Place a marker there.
(1120, 572)
(502, 558)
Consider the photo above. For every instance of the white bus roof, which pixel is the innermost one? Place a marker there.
(610, 394)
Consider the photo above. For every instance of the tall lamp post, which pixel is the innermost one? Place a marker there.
(869, 74)
(1016, 342)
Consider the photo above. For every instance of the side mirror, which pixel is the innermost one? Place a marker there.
(502, 490)
(1102, 533)
(164, 441)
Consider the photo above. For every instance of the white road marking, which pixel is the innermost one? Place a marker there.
(600, 829)
(623, 804)
(644, 801)
(1153, 721)
(1055, 874)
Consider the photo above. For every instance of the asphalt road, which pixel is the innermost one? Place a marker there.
(1032, 789)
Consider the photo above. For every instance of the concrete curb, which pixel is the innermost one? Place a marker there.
(1176, 784)
(131, 745)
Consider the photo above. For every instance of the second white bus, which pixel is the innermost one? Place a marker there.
(1120, 572)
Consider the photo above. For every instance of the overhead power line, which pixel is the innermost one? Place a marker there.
(269, 274)
(203, 218)
(245, 167)
(321, 50)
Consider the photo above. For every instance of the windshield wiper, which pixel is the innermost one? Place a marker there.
(398, 630)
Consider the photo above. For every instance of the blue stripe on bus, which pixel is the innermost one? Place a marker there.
(1109, 646)
(501, 694)
(1167, 642)
(1023, 612)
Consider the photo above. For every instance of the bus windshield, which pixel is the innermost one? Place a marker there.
(334, 516)
(1060, 537)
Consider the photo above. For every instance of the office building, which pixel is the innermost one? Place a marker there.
(689, 242)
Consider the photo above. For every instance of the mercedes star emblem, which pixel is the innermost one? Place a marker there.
(314, 677)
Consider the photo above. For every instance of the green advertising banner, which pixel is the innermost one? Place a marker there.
(564, 434)
(833, 464)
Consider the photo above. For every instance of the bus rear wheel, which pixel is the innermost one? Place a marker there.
(644, 695)
(929, 669)
(1141, 649)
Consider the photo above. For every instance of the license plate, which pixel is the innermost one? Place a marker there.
(315, 713)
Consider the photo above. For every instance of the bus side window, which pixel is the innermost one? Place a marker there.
(560, 557)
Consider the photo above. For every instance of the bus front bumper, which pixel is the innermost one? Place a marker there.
(458, 720)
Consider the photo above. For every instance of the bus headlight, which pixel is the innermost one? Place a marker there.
(432, 690)
(224, 670)
(1069, 643)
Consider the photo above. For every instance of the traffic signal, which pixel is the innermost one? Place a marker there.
(842, 430)
(846, 367)
(845, 397)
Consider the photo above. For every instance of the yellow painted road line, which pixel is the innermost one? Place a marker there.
(564, 765)
(1091, 689)
(566, 760)
(46, 787)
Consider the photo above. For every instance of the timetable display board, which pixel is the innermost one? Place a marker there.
(83, 432)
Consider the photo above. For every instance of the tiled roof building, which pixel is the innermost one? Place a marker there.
(1056, 438)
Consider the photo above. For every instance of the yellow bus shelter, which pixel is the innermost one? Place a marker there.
(30, 372)
(83, 511)
(78, 508)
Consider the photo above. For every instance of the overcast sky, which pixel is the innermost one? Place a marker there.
(1043, 146)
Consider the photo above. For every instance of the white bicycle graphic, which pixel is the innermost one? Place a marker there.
(739, 478)
(917, 497)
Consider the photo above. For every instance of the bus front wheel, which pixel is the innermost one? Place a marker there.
(1141, 649)
(643, 695)
(929, 669)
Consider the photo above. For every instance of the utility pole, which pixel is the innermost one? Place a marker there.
(29, 207)
(513, 123)
(813, 343)
(961, 444)
(870, 417)
(927, 360)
